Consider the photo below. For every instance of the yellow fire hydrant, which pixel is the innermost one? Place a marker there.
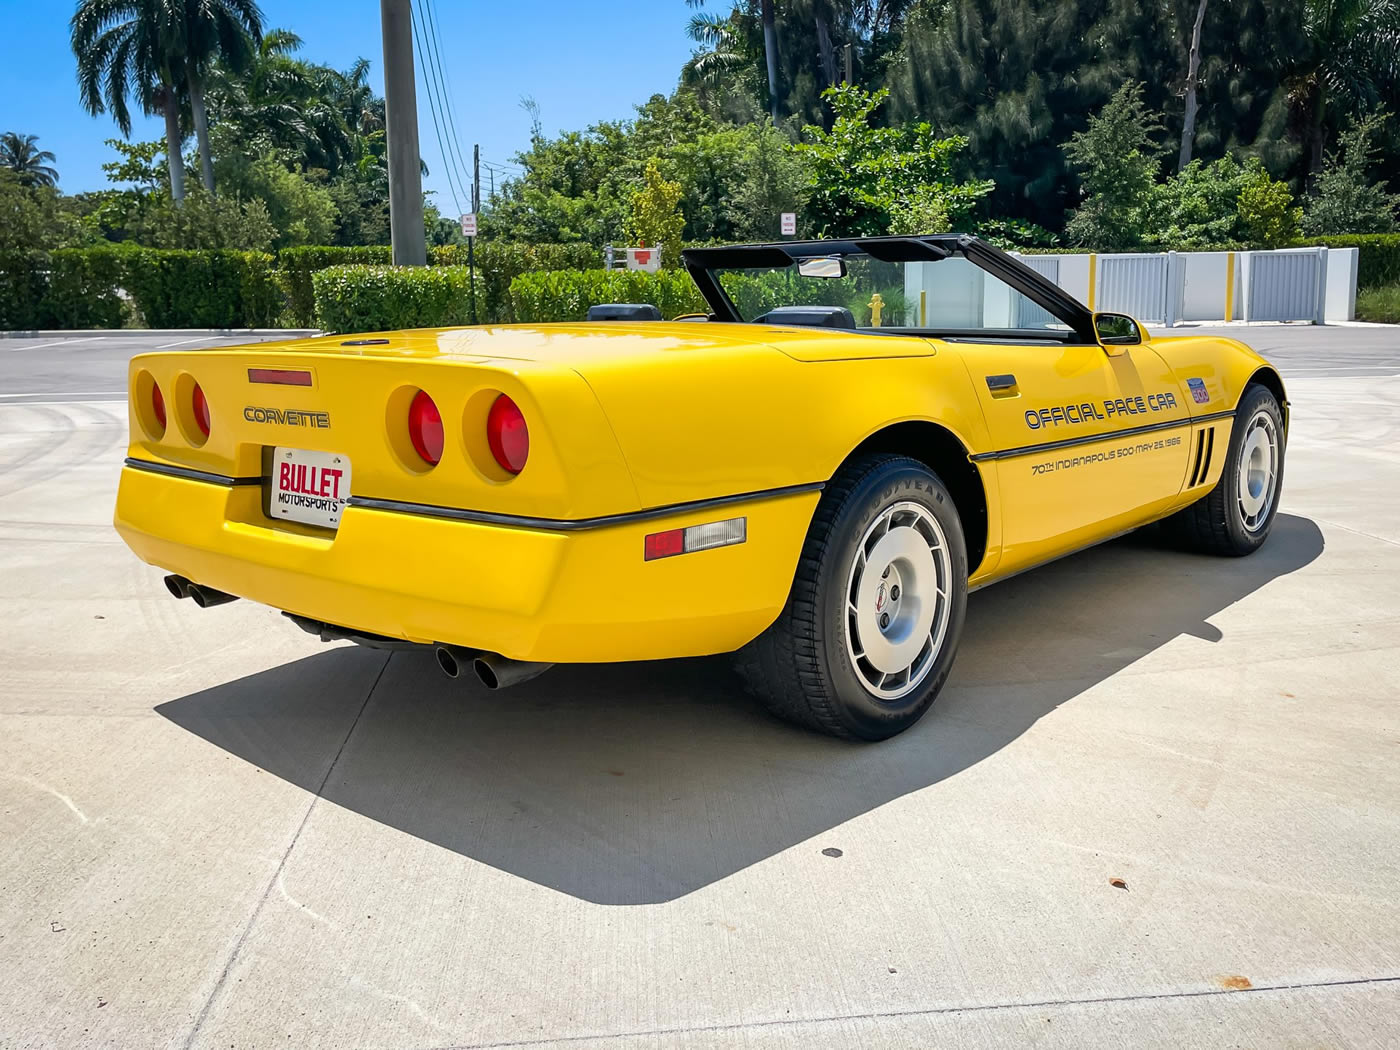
(877, 307)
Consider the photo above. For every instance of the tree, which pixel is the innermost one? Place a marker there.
(1193, 69)
(656, 218)
(207, 31)
(1117, 158)
(126, 48)
(861, 174)
(768, 18)
(29, 163)
(1349, 61)
(1344, 198)
(205, 222)
(33, 217)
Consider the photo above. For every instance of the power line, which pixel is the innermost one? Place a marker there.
(434, 46)
(445, 82)
(428, 81)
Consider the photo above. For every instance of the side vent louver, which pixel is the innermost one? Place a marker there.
(1205, 445)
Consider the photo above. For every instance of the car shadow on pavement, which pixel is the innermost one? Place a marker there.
(640, 783)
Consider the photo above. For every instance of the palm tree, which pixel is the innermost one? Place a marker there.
(722, 52)
(225, 31)
(770, 48)
(282, 101)
(126, 48)
(1352, 62)
(32, 165)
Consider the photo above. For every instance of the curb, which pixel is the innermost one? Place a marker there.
(161, 333)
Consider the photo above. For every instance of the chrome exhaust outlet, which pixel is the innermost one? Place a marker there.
(499, 672)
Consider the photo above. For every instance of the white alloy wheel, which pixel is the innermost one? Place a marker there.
(1258, 471)
(897, 600)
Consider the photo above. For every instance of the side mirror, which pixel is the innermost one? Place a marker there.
(1115, 330)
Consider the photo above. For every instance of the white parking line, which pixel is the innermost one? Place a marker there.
(64, 393)
(182, 342)
(55, 342)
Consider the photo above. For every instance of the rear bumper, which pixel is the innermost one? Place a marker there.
(576, 595)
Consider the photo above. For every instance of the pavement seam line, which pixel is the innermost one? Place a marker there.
(281, 865)
(925, 1012)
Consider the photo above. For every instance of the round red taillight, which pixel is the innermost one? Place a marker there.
(201, 410)
(508, 435)
(425, 428)
(158, 404)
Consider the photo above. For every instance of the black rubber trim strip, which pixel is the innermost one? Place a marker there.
(1088, 439)
(189, 474)
(484, 517)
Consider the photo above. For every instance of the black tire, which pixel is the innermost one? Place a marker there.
(1216, 523)
(801, 667)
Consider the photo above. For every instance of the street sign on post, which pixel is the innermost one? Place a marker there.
(469, 224)
(789, 226)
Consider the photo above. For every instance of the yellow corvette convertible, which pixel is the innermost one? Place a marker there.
(812, 475)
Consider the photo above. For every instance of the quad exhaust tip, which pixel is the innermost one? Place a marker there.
(491, 669)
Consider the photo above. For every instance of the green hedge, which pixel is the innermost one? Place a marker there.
(298, 265)
(566, 295)
(382, 298)
(1378, 263)
(81, 288)
(203, 289)
(497, 264)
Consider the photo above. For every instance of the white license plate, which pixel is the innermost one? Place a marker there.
(310, 487)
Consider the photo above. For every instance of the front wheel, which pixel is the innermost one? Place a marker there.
(1235, 517)
(869, 632)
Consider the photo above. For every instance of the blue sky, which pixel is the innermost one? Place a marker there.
(581, 67)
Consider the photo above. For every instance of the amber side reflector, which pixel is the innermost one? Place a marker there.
(279, 376)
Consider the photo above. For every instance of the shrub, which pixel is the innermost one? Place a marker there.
(202, 289)
(297, 265)
(1379, 304)
(500, 262)
(566, 295)
(23, 281)
(82, 289)
(1379, 261)
(382, 298)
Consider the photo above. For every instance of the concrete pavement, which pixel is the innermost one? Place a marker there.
(219, 832)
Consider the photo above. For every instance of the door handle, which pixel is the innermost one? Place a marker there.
(1002, 386)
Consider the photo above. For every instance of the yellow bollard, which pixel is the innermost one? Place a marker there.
(877, 307)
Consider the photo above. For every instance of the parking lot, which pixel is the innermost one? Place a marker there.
(219, 832)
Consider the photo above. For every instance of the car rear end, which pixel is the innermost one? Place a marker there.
(388, 488)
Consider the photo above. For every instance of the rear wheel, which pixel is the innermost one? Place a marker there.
(870, 629)
(1235, 517)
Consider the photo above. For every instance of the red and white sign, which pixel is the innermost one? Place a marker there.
(469, 224)
(310, 487)
(789, 223)
(645, 259)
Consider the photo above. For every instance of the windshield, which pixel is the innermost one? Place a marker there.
(948, 295)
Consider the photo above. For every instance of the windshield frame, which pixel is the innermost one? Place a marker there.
(703, 263)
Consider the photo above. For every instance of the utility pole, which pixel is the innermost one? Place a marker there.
(471, 241)
(401, 128)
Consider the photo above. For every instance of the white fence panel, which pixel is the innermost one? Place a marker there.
(1285, 285)
(1133, 284)
(1341, 284)
(1029, 315)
